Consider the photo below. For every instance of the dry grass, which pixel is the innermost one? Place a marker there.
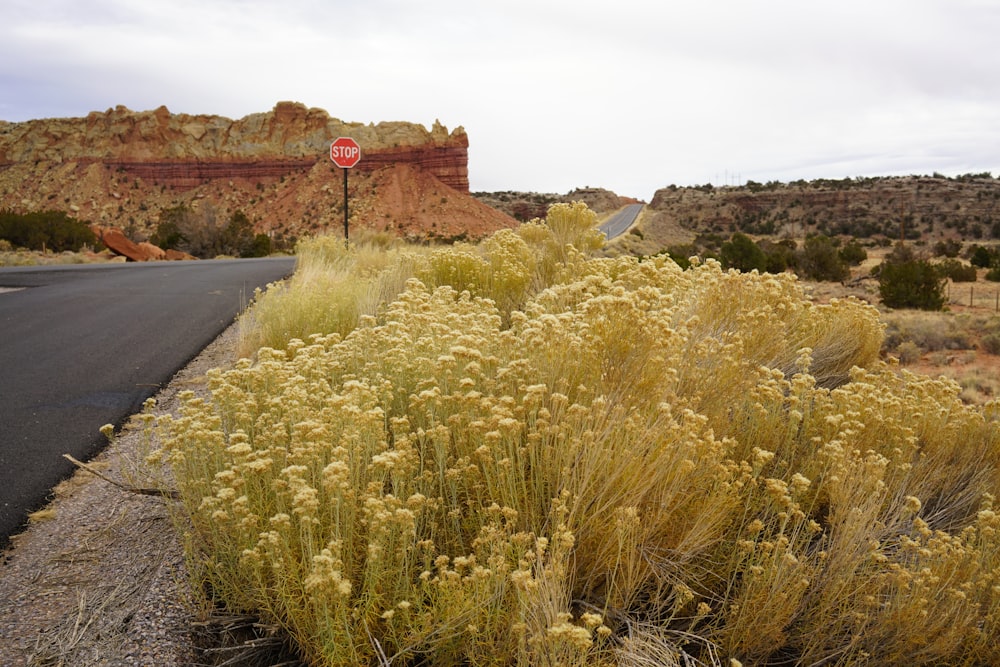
(23, 257)
(531, 456)
(959, 344)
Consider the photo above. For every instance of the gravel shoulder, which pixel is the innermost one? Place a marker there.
(98, 578)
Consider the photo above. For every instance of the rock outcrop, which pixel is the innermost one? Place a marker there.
(121, 168)
(116, 241)
(185, 150)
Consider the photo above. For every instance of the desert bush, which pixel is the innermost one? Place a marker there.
(930, 331)
(333, 286)
(853, 253)
(639, 465)
(819, 259)
(991, 343)
(740, 252)
(19, 257)
(914, 283)
(336, 283)
(201, 233)
(45, 230)
(908, 352)
(957, 271)
(982, 257)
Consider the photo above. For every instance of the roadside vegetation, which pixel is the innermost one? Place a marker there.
(44, 237)
(520, 453)
(53, 231)
(203, 234)
(11, 256)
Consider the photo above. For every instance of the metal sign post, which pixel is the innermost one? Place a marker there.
(344, 169)
(345, 153)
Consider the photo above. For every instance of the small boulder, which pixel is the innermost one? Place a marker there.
(151, 251)
(118, 243)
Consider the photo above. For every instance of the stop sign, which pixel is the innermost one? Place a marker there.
(345, 152)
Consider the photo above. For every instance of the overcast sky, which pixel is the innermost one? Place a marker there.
(630, 95)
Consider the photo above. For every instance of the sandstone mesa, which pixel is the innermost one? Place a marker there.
(120, 168)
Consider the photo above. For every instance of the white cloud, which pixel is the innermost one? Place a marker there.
(555, 94)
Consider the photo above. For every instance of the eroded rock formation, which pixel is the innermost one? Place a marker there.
(121, 168)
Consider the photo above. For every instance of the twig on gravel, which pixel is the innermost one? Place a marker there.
(166, 493)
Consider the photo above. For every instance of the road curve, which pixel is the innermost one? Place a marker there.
(85, 345)
(621, 220)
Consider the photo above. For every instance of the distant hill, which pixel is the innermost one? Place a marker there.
(930, 207)
(923, 209)
(524, 206)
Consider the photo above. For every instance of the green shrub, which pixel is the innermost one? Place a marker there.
(45, 230)
(741, 253)
(780, 255)
(260, 247)
(819, 259)
(957, 271)
(912, 284)
(853, 253)
(168, 233)
(202, 234)
(681, 254)
(982, 257)
(237, 237)
(948, 248)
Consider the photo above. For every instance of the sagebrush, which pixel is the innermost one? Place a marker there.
(520, 454)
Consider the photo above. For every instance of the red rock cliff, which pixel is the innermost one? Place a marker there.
(183, 150)
(121, 168)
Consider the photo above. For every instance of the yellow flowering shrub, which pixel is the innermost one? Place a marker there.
(527, 456)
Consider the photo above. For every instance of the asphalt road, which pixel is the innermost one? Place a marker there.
(620, 221)
(85, 345)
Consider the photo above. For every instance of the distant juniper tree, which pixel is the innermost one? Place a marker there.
(237, 237)
(740, 252)
(168, 233)
(819, 259)
(907, 281)
(852, 253)
(780, 254)
(982, 257)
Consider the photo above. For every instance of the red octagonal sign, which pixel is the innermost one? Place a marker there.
(345, 152)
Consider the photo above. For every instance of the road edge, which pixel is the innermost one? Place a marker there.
(98, 578)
